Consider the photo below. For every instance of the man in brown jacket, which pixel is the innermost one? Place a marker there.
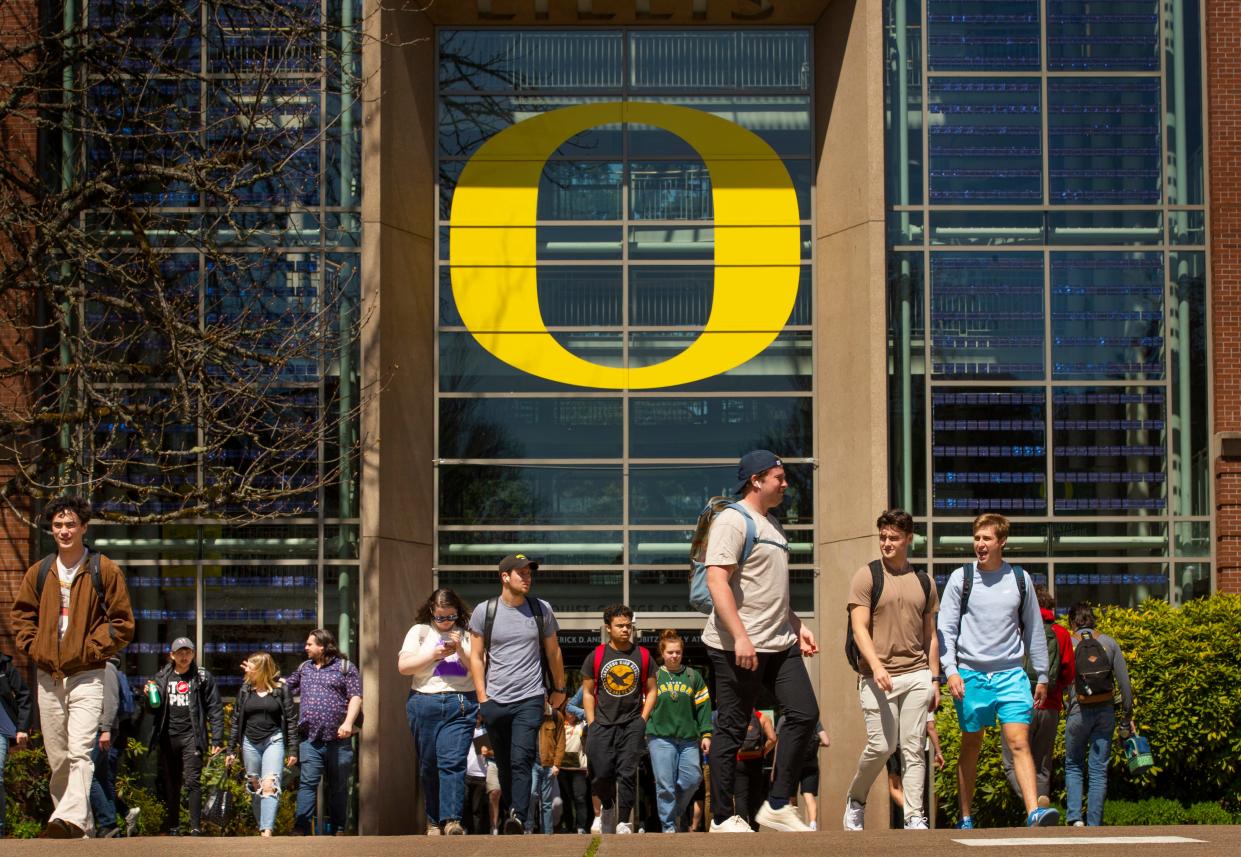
(71, 614)
(547, 768)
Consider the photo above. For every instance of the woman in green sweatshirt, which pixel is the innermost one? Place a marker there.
(679, 727)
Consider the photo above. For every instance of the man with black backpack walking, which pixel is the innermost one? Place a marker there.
(892, 610)
(989, 622)
(1046, 719)
(1099, 671)
(516, 664)
(755, 640)
(70, 615)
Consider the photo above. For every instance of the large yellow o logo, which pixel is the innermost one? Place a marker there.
(493, 249)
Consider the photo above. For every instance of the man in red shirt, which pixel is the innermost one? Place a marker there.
(1046, 721)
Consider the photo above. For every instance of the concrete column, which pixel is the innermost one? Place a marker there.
(398, 341)
(850, 361)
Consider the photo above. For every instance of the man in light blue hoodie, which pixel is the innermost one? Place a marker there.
(988, 622)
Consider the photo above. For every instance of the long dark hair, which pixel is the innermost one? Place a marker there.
(443, 597)
(327, 640)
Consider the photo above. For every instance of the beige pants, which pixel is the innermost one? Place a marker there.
(69, 711)
(896, 719)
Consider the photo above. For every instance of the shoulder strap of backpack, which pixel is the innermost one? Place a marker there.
(876, 585)
(645, 658)
(925, 580)
(536, 610)
(489, 621)
(45, 568)
(96, 577)
(967, 585)
(599, 650)
(751, 533)
(1019, 574)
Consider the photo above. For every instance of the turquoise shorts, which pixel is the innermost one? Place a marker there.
(1005, 695)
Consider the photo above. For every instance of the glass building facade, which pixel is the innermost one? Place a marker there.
(606, 484)
(1048, 317)
(236, 589)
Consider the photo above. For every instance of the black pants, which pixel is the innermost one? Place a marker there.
(612, 755)
(476, 814)
(736, 691)
(749, 788)
(181, 764)
(513, 728)
(575, 791)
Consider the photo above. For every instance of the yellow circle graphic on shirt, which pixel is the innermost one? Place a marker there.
(620, 677)
(493, 248)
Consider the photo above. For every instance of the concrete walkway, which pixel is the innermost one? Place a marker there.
(1098, 842)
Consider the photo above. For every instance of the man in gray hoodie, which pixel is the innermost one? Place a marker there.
(989, 620)
(1091, 719)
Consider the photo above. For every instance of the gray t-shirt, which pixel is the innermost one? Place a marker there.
(515, 672)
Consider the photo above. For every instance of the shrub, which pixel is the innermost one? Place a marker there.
(1205, 812)
(1152, 811)
(1185, 667)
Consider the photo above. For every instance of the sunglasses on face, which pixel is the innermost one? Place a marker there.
(450, 618)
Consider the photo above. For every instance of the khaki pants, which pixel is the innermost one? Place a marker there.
(69, 711)
(895, 720)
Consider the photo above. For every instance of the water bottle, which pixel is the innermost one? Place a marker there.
(152, 691)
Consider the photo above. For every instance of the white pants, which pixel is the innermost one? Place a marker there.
(69, 712)
(895, 719)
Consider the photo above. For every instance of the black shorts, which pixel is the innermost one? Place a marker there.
(809, 779)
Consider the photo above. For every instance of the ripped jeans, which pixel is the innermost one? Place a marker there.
(264, 767)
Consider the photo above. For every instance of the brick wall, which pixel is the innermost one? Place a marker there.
(19, 142)
(1223, 27)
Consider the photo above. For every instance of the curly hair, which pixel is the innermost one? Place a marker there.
(443, 597)
(76, 505)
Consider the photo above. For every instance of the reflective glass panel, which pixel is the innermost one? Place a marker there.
(985, 141)
(785, 366)
(705, 60)
(987, 315)
(566, 591)
(1110, 450)
(1183, 102)
(1107, 315)
(718, 427)
(981, 35)
(783, 122)
(1191, 441)
(500, 494)
(552, 548)
(675, 494)
(530, 428)
(902, 94)
(1103, 35)
(569, 296)
(467, 121)
(992, 229)
(1191, 580)
(1118, 584)
(681, 295)
(989, 452)
(1103, 140)
(1103, 538)
(508, 60)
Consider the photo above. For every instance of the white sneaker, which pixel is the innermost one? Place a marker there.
(623, 827)
(814, 825)
(608, 816)
(131, 820)
(786, 819)
(596, 826)
(916, 822)
(855, 814)
(736, 824)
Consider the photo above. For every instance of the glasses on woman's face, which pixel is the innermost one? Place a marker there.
(452, 617)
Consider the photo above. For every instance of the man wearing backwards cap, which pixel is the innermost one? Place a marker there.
(509, 682)
(754, 640)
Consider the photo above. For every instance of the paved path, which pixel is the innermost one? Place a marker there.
(1101, 842)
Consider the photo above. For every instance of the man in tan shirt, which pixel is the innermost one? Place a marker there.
(898, 664)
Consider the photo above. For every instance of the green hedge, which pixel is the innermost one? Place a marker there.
(1185, 667)
(1164, 811)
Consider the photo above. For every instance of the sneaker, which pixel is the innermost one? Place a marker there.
(194, 831)
(814, 825)
(107, 832)
(495, 831)
(623, 827)
(916, 822)
(1078, 823)
(57, 828)
(855, 814)
(596, 826)
(513, 826)
(786, 819)
(1043, 817)
(581, 831)
(131, 820)
(966, 823)
(736, 824)
(454, 828)
(1044, 801)
(433, 829)
(608, 819)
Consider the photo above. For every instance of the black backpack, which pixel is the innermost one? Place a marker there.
(489, 621)
(754, 739)
(876, 589)
(1095, 682)
(1053, 659)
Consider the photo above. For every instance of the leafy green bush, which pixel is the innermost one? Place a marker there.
(1205, 812)
(1185, 668)
(1152, 811)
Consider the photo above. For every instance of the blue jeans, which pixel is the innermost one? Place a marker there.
(677, 767)
(443, 726)
(103, 786)
(335, 759)
(541, 782)
(4, 757)
(1088, 744)
(264, 761)
(514, 731)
